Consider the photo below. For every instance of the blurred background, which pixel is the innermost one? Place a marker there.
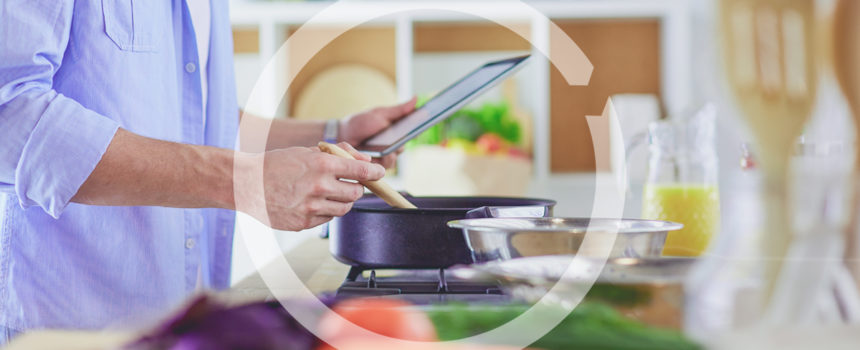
(655, 59)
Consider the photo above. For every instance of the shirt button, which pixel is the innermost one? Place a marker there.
(189, 243)
(190, 67)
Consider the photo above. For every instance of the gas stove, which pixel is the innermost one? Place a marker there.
(417, 287)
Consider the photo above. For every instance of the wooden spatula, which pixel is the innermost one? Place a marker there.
(380, 188)
(770, 60)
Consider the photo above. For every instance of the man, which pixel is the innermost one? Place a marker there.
(116, 117)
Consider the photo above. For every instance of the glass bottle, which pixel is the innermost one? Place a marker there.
(682, 181)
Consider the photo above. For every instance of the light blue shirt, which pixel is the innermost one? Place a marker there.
(71, 73)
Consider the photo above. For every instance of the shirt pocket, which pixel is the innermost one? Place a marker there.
(131, 24)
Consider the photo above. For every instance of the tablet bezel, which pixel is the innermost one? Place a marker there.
(382, 150)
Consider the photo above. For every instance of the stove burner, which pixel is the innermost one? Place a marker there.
(418, 286)
(443, 284)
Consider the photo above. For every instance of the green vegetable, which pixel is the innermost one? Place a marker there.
(620, 295)
(589, 326)
(470, 123)
(463, 128)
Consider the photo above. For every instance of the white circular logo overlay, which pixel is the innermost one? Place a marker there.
(283, 281)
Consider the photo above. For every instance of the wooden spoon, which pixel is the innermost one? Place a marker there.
(380, 188)
(770, 60)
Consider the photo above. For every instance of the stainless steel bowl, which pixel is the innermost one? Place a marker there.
(494, 239)
(650, 288)
(547, 270)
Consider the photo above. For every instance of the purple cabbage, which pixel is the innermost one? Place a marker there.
(207, 324)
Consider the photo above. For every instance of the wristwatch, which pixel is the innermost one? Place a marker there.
(331, 130)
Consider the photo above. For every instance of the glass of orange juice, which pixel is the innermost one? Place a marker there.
(682, 181)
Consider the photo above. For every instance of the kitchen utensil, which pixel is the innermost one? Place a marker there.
(380, 188)
(491, 239)
(545, 271)
(771, 66)
(646, 289)
(374, 235)
(542, 259)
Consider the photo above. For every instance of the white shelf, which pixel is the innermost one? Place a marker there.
(272, 18)
(285, 12)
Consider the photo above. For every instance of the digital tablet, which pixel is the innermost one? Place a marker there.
(441, 106)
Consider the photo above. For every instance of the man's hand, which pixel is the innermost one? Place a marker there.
(285, 133)
(303, 186)
(356, 128)
(288, 189)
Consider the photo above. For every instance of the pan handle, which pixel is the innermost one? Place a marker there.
(535, 211)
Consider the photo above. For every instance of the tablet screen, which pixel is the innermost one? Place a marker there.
(434, 110)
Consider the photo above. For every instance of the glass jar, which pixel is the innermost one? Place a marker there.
(682, 181)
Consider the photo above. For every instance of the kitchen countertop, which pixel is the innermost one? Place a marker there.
(320, 272)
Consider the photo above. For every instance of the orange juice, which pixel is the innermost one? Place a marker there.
(697, 206)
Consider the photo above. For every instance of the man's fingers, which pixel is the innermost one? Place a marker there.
(345, 192)
(319, 220)
(386, 161)
(409, 106)
(355, 153)
(359, 170)
(399, 111)
(327, 208)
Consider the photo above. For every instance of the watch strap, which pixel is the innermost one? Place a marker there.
(331, 130)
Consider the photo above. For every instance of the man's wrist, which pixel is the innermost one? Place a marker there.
(216, 183)
(331, 131)
(247, 188)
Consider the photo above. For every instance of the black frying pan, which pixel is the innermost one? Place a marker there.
(375, 235)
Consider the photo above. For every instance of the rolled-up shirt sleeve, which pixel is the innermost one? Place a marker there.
(50, 143)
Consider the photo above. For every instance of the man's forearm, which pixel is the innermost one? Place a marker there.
(137, 170)
(284, 133)
(291, 132)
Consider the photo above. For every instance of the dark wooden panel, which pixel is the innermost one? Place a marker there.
(626, 59)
